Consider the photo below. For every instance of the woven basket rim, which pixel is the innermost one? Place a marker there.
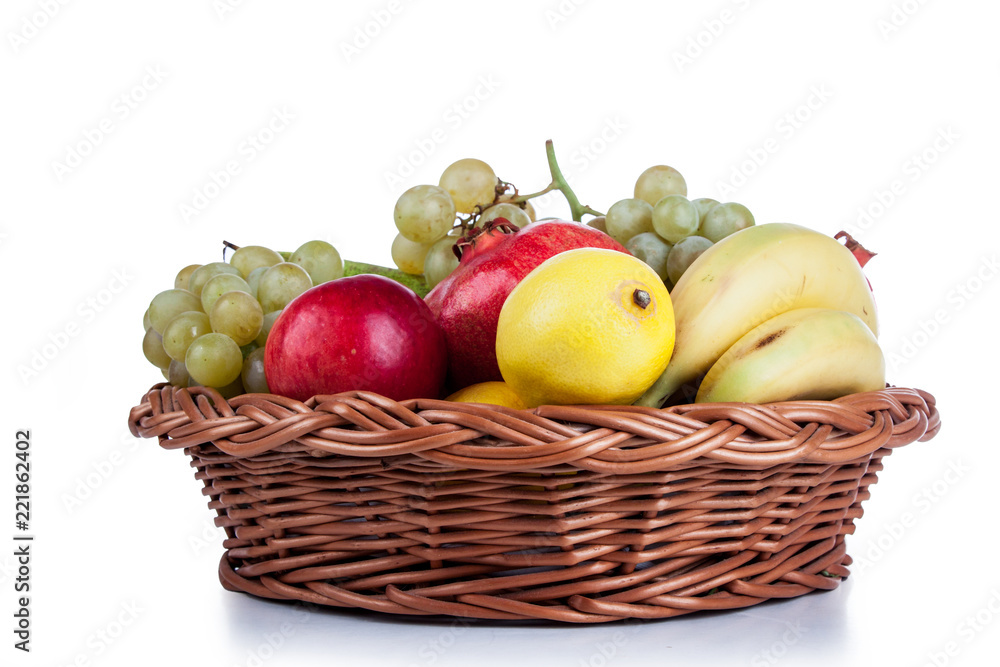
(632, 439)
(429, 508)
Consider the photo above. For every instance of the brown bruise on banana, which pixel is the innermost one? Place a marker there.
(768, 339)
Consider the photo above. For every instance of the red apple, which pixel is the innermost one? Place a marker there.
(364, 332)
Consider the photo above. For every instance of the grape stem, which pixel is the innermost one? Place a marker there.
(415, 283)
(577, 210)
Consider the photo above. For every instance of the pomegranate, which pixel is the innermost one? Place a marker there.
(467, 303)
(861, 253)
(364, 332)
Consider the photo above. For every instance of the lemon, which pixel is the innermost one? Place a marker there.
(494, 393)
(587, 326)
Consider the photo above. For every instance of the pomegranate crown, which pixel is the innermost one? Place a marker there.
(475, 235)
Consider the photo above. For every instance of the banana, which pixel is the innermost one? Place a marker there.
(806, 353)
(746, 279)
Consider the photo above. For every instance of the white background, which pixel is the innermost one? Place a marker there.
(878, 92)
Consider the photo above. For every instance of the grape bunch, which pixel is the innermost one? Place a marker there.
(210, 329)
(431, 218)
(664, 228)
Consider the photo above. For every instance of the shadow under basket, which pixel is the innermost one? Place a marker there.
(574, 514)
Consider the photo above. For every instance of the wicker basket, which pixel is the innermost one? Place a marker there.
(571, 514)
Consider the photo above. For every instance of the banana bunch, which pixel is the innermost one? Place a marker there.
(774, 312)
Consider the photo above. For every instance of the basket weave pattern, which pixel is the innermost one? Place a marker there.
(562, 513)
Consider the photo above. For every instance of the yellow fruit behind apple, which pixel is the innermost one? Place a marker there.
(492, 393)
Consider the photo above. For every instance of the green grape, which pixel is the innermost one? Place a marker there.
(526, 206)
(675, 218)
(145, 320)
(440, 261)
(253, 280)
(250, 257)
(152, 348)
(471, 183)
(219, 285)
(512, 212)
(409, 256)
(254, 380)
(177, 374)
(653, 250)
(184, 276)
(245, 350)
(627, 218)
(234, 388)
(725, 219)
(424, 213)
(205, 273)
(182, 330)
(165, 373)
(320, 260)
(280, 284)
(683, 254)
(657, 182)
(168, 304)
(704, 205)
(265, 327)
(600, 223)
(238, 315)
(214, 360)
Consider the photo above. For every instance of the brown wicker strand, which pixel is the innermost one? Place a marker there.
(579, 514)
